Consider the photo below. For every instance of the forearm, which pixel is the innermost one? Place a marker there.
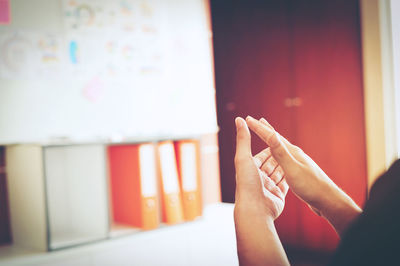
(338, 208)
(257, 240)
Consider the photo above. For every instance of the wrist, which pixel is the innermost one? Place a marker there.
(335, 200)
(338, 208)
(253, 211)
(326, 198)
(327, 194)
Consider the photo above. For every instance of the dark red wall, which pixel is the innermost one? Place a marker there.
(269, 51)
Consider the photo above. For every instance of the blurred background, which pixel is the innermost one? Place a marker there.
(88, 86)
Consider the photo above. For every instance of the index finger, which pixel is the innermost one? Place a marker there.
(278, 148)
(266, 133)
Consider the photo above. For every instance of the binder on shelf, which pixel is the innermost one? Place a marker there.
(188, 160)
(76, 193)
(172, 211)
(27, 213)
(64, 199)
(133, 179)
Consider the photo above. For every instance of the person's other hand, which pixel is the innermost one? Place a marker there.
(303, 175)
(271, 168)
(260, 184)
(306, 178)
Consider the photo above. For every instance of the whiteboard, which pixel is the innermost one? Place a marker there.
(94, 69)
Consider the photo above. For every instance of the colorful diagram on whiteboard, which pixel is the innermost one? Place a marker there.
(84, 15)
(18, 56)
(49, 48)
(30, 55)
(120, 39)
(73, 52)
(51, 56)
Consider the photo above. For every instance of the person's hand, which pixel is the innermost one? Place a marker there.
(303, 175)
(306, 178)
(260, 184)
(259, 201)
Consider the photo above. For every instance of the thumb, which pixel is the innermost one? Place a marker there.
(243, 139)
(244, 164)
(278, 149)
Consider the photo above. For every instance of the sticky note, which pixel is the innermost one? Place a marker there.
(94, 89)
(5, 12)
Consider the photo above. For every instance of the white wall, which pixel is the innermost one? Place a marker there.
(395, 25)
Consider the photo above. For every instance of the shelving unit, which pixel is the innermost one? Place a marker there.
(183, 244)
(59, 191)
(60, 195)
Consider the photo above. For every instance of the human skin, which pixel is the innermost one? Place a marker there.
(259, 201)
(261, 185)
(306, 179)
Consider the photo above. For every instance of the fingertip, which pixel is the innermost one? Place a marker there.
(263, 131)
(243, 139)
(253, 123)
(250, 119)
(239, 122)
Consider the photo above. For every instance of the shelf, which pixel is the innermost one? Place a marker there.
(182, 244)
(118, 230)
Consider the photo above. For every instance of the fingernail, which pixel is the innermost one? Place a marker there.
(249, 117)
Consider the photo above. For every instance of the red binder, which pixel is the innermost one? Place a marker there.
(172, 212)
(133, 179)
(188, 159)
